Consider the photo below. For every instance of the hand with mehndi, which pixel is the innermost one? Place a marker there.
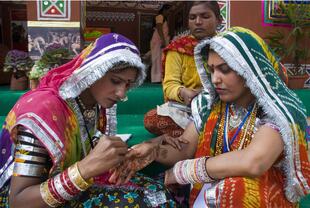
(108, 153)
(174, 142)
(138, 157)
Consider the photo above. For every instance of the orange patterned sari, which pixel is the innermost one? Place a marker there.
(288, 179)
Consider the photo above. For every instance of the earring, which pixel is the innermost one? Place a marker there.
(124, 99)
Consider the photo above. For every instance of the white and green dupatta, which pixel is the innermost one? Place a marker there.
(251, 58)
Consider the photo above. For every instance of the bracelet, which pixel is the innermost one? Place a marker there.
(179, 94)
(206, 171)
(79, 182)
(64, 186)
(192, 171)
(47, 195)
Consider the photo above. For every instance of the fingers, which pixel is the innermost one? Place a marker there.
(170, 142)
(182, 140)
(125, 176)
(112, 140)
(130, 175)
(175, 142)
(113, 177)
(131, 153)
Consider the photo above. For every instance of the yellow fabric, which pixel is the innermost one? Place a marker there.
(180, 71)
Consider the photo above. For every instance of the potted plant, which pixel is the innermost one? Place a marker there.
(19, 63)
(54, 56)
(294, 46)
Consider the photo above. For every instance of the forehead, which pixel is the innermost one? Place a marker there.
(200, 9)
(126, 74)
(214, 58)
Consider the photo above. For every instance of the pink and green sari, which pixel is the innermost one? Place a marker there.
(51, 113)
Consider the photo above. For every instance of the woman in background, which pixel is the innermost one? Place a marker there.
(181, 81)
(160, 40)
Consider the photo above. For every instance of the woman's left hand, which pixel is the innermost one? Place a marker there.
(137, 158)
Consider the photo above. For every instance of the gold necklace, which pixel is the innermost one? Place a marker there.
(220, 134)
(248, 131)
(88, 114)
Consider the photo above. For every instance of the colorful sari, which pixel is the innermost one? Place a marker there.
(288, 179)
(52, 115)
(166, 124)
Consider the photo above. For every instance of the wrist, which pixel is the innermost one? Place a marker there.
(83, 182)
(84, 170)
(155, 149)
(180, 94)
(64, 186)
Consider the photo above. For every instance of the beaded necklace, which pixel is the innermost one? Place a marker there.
(246, 127)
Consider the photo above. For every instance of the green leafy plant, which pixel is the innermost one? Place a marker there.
(17, 62)
(54, 56)
(293, 46)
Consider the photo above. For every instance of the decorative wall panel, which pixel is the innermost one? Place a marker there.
(53, 9)
(43, 34)
(110, 16)
(273, 16)
(225, 12)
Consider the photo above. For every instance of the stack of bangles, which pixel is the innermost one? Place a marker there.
(192, 171)
(64, 186)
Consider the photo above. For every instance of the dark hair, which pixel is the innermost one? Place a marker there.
(120, 66)
(164, 8)
(213, 5)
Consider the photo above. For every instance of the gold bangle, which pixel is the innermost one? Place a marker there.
(47, 196)
(179, 94)
(77, 179)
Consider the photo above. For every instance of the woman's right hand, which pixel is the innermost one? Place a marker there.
(188, 94)
(174, 142)
(107, 154)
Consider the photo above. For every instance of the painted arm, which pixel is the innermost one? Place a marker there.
(143, 154)
(169, 155)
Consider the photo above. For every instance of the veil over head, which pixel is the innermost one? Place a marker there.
(92, 63)
(248, 55)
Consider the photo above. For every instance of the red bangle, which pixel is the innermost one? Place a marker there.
(54, 192)
(67, 184)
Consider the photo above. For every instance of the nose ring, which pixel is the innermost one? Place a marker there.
(124, 99)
